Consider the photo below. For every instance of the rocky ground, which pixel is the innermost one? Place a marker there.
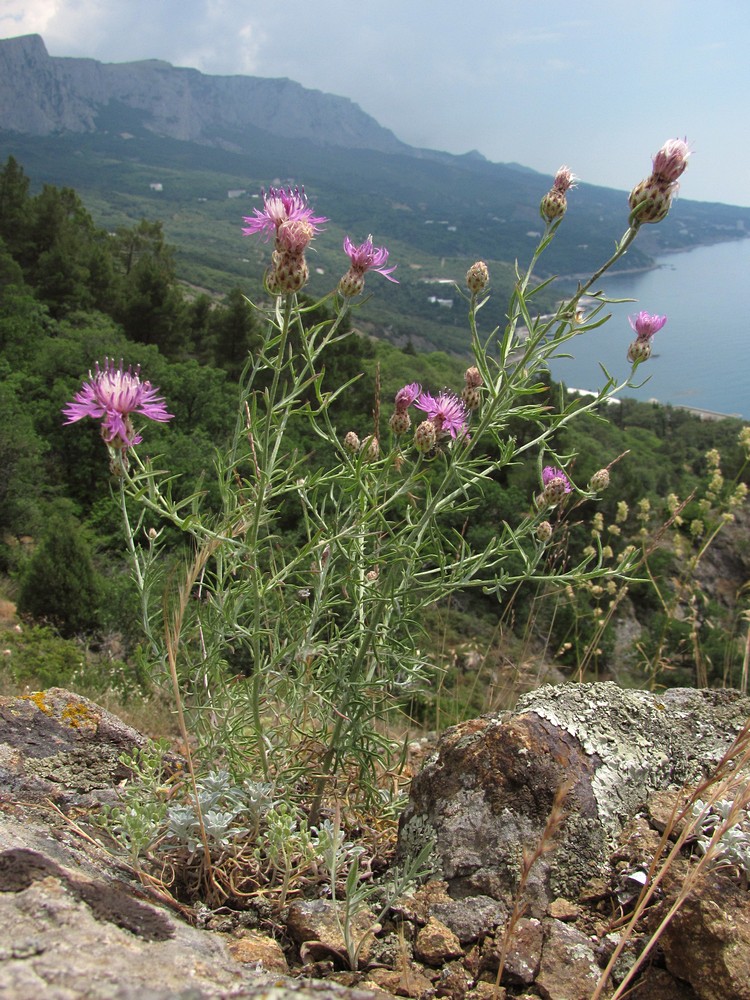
(79, 922)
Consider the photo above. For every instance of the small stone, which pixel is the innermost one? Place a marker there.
(708, 940)
(523, 954)
(568, 970)
(487, 991)
(316, 922)
(665, 807)
(405, 982)
(252, 948)
(452, 982)
(563, 909)
(471, 918)
(436, 943)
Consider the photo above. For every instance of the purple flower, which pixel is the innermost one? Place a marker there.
(564, 180)
(366, 257)
(671, 160)
(550, 474)
(281, 205)
(446, 411)
(114, 393)
(406, 396)
(646, 325)
(556, 485)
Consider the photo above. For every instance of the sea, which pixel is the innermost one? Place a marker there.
(700, 357)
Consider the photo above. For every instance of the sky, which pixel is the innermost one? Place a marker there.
(598, 86)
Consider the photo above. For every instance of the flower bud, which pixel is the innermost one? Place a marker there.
(400, 422)
(473, 377)
(600, 480)
(544, 531)
(554, 204)
(471, 397)
(351, 443)
(370, 448)
(671, 161)
(406, 395)
(425, 437)
(477, 277)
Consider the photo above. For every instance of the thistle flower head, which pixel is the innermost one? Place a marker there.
(281, 205)
(555, 204)
(670, 162)
(477, 277)
(293, 236)
(646, 325)
(564, 180)
(473, 377)
(651, 199)
(600, 480)
(367, 257)
(425, 437)
(406, 396)
(446, 411)
(114, 393)
(556, 484)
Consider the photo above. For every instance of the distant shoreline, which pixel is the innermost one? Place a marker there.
(667, 252)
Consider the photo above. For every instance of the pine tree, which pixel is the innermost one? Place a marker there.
(59, 584)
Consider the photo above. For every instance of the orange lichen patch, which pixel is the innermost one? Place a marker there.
(40, 700)
(79, 715)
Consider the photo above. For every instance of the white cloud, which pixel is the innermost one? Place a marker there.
(26, 17)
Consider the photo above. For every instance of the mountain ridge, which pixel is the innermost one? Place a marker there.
(149, 140)
(42, 94)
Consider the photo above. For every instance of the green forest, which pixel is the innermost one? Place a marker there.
(74, 294)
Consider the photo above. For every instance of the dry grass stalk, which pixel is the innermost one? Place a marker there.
(545, 844)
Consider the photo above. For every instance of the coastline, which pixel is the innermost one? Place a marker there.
(656, 266)
(700, 362)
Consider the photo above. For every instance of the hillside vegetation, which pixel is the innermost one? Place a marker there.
(73, 294)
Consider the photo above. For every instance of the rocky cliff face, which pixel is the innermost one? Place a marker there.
(42, 95)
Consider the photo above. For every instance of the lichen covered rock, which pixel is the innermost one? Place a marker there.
(487, 792)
